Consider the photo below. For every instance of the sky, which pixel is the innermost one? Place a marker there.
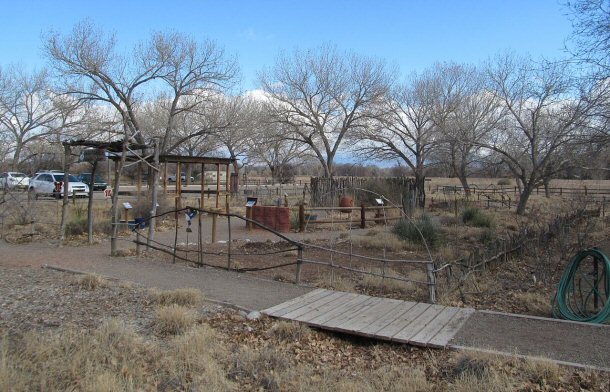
(409, 34)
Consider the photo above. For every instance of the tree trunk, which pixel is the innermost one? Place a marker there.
(523, 198)
(16, 155)
(115, 199)
(420, 190)
(65, 205)
(90, 204)
(547, 190)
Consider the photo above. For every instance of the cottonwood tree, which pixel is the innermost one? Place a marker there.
(465, 113)
(323, 96)
(195, 73)
(546, 111)
(237, 118)
(404, 130)
(29, 109)
(590, 39)
(274, 145)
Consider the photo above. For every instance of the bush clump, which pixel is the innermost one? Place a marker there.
(475, 217)
(421, 231)
(504, 181)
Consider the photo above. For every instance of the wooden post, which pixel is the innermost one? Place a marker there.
(431, 282)
(176, 230)
(153, 180)
(586, 191)
(228, 179)
(299, 265)
(66, 186)
(202, 184)
(137, 242)
(165, 178)
(301, 218)
(362, 216)
(139, 187)
(214, 218)
(217, 185)
(179, 185)
(200, 234)
(229, 243)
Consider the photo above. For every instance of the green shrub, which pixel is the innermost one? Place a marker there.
(504, 181)
(475, 217)
(419, 231)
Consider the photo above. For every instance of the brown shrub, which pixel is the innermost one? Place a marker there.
(181, 297)
(173, 320)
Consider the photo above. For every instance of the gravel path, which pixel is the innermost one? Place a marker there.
(587, 344)
(228, 287)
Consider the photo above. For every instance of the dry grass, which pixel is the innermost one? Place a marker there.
(542, 372)
(536, 304)
(381, 240)
(181, 297)
(289, 331)
(173, 320)
(111, 358)
(91, 282)
(394, 285)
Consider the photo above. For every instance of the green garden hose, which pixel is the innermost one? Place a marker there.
(582, 293)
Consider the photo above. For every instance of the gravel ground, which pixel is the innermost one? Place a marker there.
(587, 344)
(34, 298)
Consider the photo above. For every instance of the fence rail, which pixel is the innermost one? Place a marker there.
(300, 247)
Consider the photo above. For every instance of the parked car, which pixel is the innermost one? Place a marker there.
(14, 180)
(98, 182)
(47, 183)
(172, 178)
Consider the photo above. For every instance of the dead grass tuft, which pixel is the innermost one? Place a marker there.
(289, 331)
(181, 297)
(111, 358)
(542, 372)
(381, 240)
(262, 367)
(125, 252)
(91, 282)
(536, 303)
(173, 320)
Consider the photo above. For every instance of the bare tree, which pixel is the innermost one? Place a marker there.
(92, 70)
(273, 145)
(195, 73)
(28, 109)
(323, 96)
(404, 130)
(591, 34)
(546, 111)
(240, 116)
(465, 113)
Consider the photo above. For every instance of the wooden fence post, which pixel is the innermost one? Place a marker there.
(431, 282)
(299, 265)
(229, 243)
(137, 242)
(362, 216)
(301, 218)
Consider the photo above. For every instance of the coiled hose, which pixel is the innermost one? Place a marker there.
(582, 293)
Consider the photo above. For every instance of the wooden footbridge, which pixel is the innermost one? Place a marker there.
(415, 323)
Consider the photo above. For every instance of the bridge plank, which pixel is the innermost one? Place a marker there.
(423, 337)
(320, 320)
(411, 329)
(444, 336)
(400, 322)
(384, 320)
(333, 296)
(299, 302)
